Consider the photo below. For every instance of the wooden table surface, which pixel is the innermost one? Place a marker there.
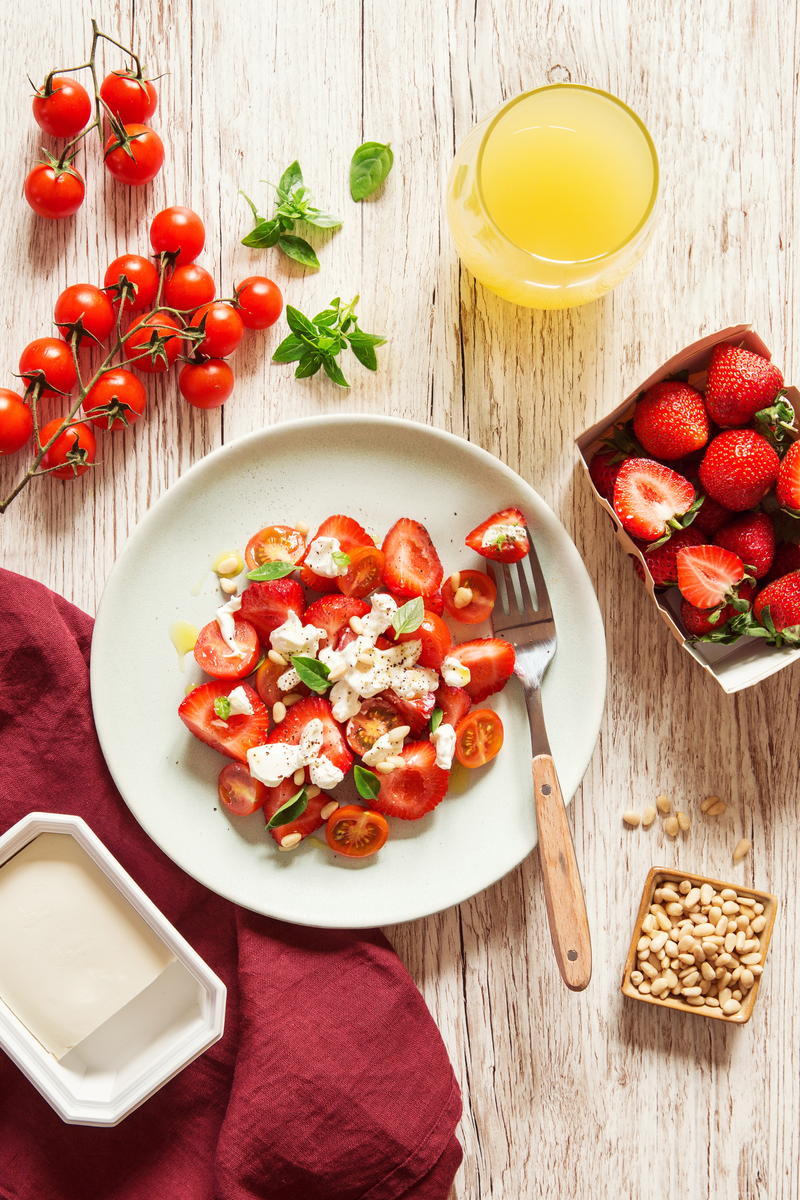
(564, 1095)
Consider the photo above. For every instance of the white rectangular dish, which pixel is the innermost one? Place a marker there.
(134, 1052)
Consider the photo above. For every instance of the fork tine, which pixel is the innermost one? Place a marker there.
(542, 596)
(527, 600)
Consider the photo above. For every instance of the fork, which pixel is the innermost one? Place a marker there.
(529, 626)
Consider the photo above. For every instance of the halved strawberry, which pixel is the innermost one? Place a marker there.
(708, 575)
(415, 713)
(788, 485)
(502, 537)
(333, 613)
(490, 662)
(752, 537)
(702, 621)
(290, 730)
(350, 536)
(412, 566)
(233, 737)
(306, 823)
(662, 562)
(267, 605)
(649, 498)
(454, 702)
(415, 788)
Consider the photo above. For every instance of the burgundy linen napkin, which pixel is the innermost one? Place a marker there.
(331, 1079)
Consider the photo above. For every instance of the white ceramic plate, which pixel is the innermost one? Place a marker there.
(376, 469)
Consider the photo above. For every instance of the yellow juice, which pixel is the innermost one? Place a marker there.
(552, 200)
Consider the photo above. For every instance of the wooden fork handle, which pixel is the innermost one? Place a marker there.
(563, 893)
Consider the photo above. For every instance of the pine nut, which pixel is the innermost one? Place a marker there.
(228, 586)
(686, 943)
(671, 826)
(276, 657)
(696, 1001)
(691, 978)
(736, 975)
(658, 942)
(691, 991)
(704, 930)
(636, 978)
(721, 926)
(708, 803)
(357, 625)
(729, 894)
(648, 924)
(740, 940)
(663, 804)
(718, 809)
(742, 848)
(328, 809)
(463, 597)
(312, 791)
(649, 971)
(631, 817)
(455, 580)
(658, 986)
(385, 767)
(691, 898)
(299, 777)
(291, 698)
(291, 840)
(731, 1006)
(337, 673)
(747, 960)
(644, 944)
(730, 943)
(229, 565)
(668, 893)
(758, 909)
(664, 922)
(644, 988)
(714, 914)
(365, 658)
(684, 886)
(674, 909)
(686, 958)
(730, 907)
(706, 893)
(683, 821)
(707, 971)
(737, 994)
(397, 761)
(746, 901)
(712, 1002)
(671, 949)
(648, 816)
(278, 712)
(758, 924)
(302, 528)
(756, 969)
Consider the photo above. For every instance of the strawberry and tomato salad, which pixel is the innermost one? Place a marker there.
(362, 676)
(707, 484)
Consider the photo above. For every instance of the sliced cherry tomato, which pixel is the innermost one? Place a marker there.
(365, 572)
(266, 683)
(502, 536)
(350, 536)
(275, 543)
(48, 360)
(223, 329)
(138, 271)
(375, 718)
(16, 422)
(72, 453)
(356, 832)
(52, 193)
(207, 384)
(259, 301)
(85, 305)
(479, 736)
(483, 597)
(137, 346)
(188, 287)
(215, 657)
(436, 640)
(178, 229)
(65, 111)
(144, 161)
(130, 98)
(238, 791)
(116, 400)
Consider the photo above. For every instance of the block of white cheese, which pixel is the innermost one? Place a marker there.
(73, 950)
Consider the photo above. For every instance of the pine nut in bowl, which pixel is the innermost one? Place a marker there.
(699, 945)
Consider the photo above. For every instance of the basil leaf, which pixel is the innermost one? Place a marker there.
(436, 719)
(365, 339)
(367, 782)
(309, 364)
(369, 166)
(271, 570)
(299, 324)
(322, 220)
(291, 179)
(289, 811)
(325, 318)
(366, 355)
(409, 617)
(334, 371)
(222, 707)
(312, 672)
(265, 234)
(340, 558)
(298, 249)
(290, 350)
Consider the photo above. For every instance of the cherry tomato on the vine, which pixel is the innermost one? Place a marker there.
(65, 111)
(85, 303)
(51, 358)
(178, 228)
(259, 301)
(188, 287)
(356, 832)
(54, 193)
(138, 271)
(162, 324)
(116, 400)
(207, 384)
(141, 161)
(223, 329)
(479, 736)
(72, 453)
(16, 422)
(131, 99)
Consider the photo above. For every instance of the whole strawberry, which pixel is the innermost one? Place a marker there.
(786, 560)
(752, 537)
(662, 562)
(604, 469)
(739, 384)
(738, 469)
(700, 622)
(670, 420)
(777, 608)
(711, 517)
(788, 486)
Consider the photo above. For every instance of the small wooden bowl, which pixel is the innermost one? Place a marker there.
(656, 878)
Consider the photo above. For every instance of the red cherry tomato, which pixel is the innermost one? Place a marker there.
(130, 99)
(85, 303)
(223, 329)
(238, 791)
(259, 301)
(72, 453)
(144, 161)
(65, 111)
(365, 572)
(178, 229)
(483, 597)
(375, 718)
(16, 422)
(275, 543)
(356, 832)
(207, 384)
(51, 359)
(188, 287)
(479, 736)
(54, 194)
(138, 271)
(116, 400)
(436, 640)
(136, 345)
(214, 655)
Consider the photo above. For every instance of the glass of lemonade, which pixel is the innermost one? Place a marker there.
(552, 199)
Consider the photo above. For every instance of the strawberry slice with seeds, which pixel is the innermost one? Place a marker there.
(491, 665)
(502, 537)
(333, 613)
(267, 605)
(415, 788)
(415, 713)
(708, 575)
(290, 730)
(234, 736)
(455, 703)
(306, 823)
(662, 562)
(788, 485)
(413, 567)
(650, 499)
(777, 608)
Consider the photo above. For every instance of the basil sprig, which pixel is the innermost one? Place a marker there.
(312, 672)
(289, 811)
(315, 343)
(271, 570)
(409, 616)
(294, 204)
(367, 782)
(369, 166)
